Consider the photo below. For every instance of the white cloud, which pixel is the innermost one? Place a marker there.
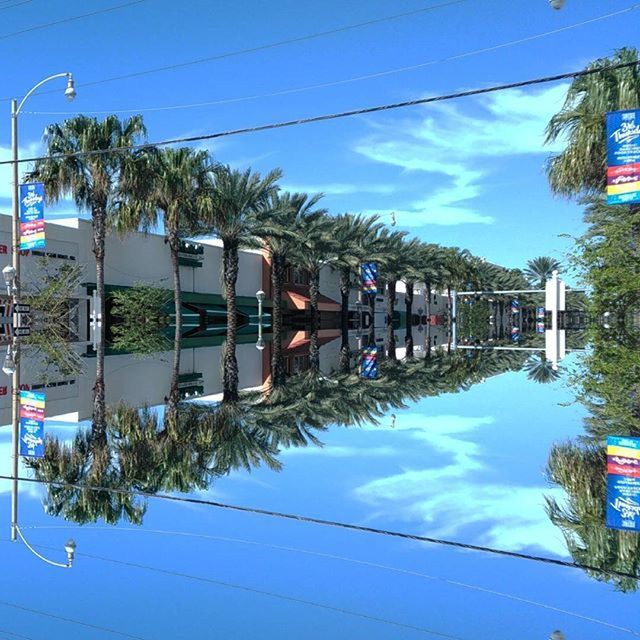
(341, 188)
(337, 451)
(453, 147)
(449, 498)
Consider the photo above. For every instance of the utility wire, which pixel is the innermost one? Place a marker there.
(15, 635)
(264, 47)
(350, 560)
(17, 4)
(53, 616)
(71, 19)
(334, 83)
(338, 115)
(332, 523)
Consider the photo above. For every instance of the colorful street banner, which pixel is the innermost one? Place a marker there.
(515, 306)
(515, 334)
(369, 276)
(369, 363)
(32, 216)
(623, 157)
(32, 406)
(623, 483)
(540, 312)
(540, 326)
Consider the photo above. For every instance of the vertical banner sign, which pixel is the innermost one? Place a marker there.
(540, 325)
(515, 306)
(369, 275)
(515, 334)
(623, 157)
(369, 363)
(32, 216)
(623, 483)
(32, 424)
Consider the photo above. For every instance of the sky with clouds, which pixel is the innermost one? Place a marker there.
(468, 172)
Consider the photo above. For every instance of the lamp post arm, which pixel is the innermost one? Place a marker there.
(35, 553)
(37, 86)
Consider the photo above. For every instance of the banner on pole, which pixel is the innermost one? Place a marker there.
(32, 406)
(623, 483)
(515, 306)
(369, 363)
(369, 276)
(32, 216)
(623, 157)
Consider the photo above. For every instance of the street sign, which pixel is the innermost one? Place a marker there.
(623, 157)
(623, 483)
(22, 308)
(22, 332)
(32, 216)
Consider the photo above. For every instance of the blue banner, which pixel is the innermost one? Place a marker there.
(369, 363)
(623, 483)
(623, 157)
(515, 306)
(32, 216)
(31, 438)
(369, 275)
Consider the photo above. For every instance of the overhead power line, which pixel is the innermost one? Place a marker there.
(336, 116)
(65, 20)
(333, 523)
(264, 47)
(17, 4)
(54, 616)
(350, 560)
(334, 83)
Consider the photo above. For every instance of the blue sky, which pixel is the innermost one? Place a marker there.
(465, 467)
(468, 173)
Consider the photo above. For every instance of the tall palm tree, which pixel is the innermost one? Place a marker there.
(93, 181)
(276, 227)
(541, 370)
(354, 235)
(317, 248)
(235, 200)
(581, 168)
(540, 269)
(168, 184)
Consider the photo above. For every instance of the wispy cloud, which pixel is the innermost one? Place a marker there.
(341, 188)
(337, 451)
(450, 498)
(453, 148)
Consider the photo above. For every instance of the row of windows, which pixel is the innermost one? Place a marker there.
(49, 385)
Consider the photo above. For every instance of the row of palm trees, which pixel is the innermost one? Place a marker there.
(126, 186)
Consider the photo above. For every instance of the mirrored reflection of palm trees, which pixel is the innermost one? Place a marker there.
(541, 370)
(580, 469)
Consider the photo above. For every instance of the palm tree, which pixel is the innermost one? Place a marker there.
(170, 183)
(581, 169)
(93, 181)
(355, 235)
(581, 471)
(276, 226)
(540, 269)
(541, 371)
(317, 248)
(235, 200)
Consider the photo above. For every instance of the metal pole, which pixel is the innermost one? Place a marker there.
(15, 378)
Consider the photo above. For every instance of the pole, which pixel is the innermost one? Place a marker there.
(15, 378)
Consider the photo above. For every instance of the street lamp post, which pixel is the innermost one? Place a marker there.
(260, 295)
(14, 276)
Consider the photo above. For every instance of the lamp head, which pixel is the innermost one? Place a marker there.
(260, 295)
(9, 366)
(70, 548)
(70, 91)
(260, 344)
(9, 275)
(557, 4)
(557, 635)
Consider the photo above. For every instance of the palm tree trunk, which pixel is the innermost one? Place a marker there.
(314, 347)
(230, 362)
(428, 312)
(345, 287)
(408, 304)
(99, 410)
(391, 300)
(173, 398)
(278, 269)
